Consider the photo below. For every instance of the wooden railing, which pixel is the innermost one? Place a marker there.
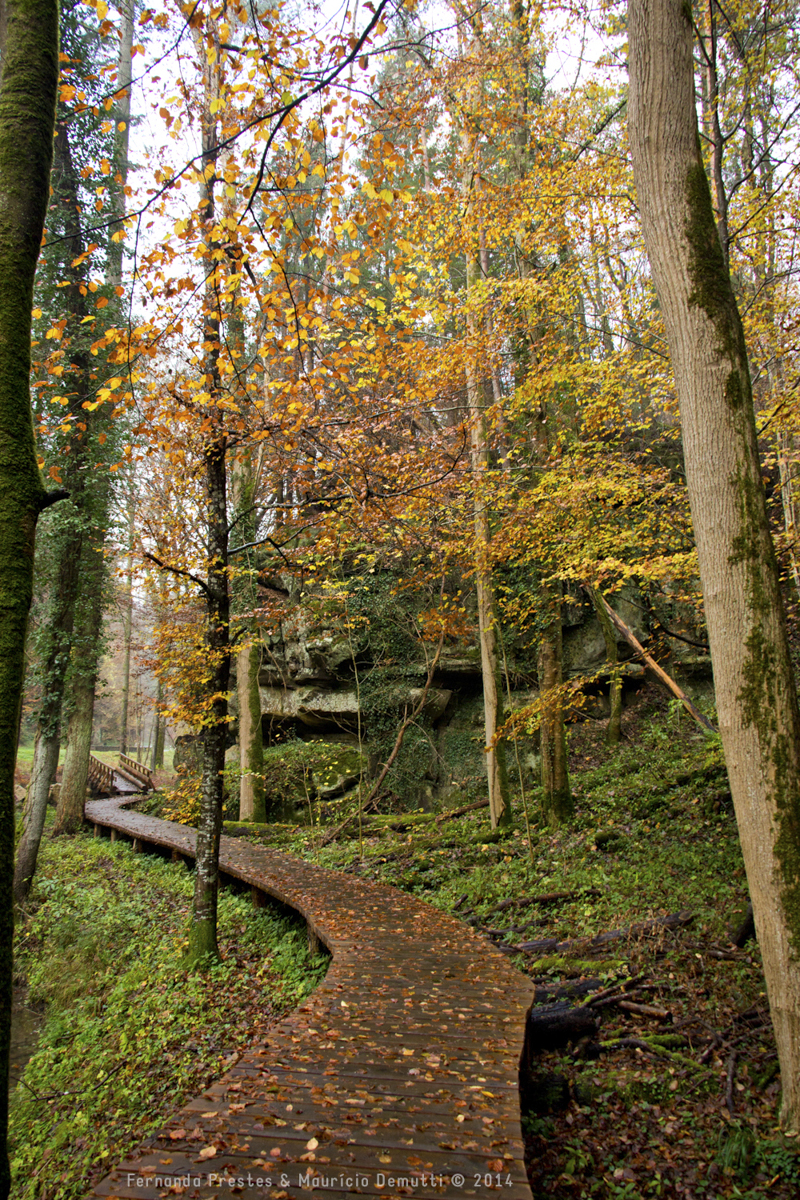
(137, 770)
(101, 776)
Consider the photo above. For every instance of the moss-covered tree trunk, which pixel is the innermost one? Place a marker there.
(29, 63)
(82, 682)
(64, 545)
(557, 803)
(47, 744)
(58, 636)
(755, 689)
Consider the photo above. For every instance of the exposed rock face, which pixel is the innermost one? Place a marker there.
(318, 708)
(324, 683)
(584, 644)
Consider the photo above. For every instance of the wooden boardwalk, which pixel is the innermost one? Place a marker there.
(396, 1077)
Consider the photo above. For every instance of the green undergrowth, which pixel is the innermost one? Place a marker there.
(654, 834)
(128, 1036)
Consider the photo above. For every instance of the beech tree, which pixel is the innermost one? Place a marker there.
(754, 681)
(29, 56)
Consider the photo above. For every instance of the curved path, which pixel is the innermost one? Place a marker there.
(396, 1077)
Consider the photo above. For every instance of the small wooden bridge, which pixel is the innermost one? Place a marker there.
(127, 779)
(397, 1077)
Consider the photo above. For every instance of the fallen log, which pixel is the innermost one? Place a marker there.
(651, 1047)
(459, 812)
(619, 989)
(563, 991)
(645, 1010)
(554, 1026)
(648, 659)
(544, 898)
(553, 945)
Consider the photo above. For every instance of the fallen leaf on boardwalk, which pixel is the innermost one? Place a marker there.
(177, 1133)
(495, 1164)
(275, 1152)
(312, 1144)
(207, 1152)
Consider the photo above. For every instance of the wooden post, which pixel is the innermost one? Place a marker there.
(258, 898)
(314, 944)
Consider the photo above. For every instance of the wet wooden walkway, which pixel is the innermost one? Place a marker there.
(396, 1077)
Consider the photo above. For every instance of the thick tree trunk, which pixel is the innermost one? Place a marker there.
(756, 698)
(251, 745)
(65, 545)
(29, 58)
(557, 803)
(75, 771)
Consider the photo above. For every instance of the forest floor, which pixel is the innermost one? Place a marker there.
(677, 1094)
(127, 1035)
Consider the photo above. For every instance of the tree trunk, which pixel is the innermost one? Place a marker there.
(127, 625)
(81, 682)
(496, 772)
(65, 545)
(756, 698)
(203, 925)
(45, 765)
(122, 120)
(59, 618)
(161, 730)
(29, 58)
(75, 771)
(251, 745)
(614, 730)
(557, 803)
